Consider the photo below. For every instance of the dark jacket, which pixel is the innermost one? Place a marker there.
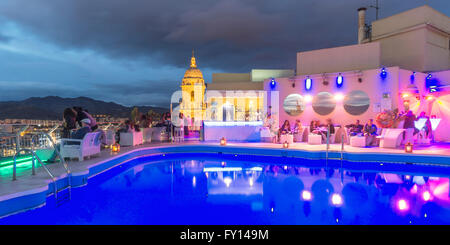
(80, 133)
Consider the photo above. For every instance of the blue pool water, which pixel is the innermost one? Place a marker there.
(229, 189)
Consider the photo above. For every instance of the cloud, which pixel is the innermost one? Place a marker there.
(158, 35)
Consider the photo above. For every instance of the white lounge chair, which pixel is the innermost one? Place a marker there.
(131, 138)
(74, 148)
(289, 138)
(391, 137)
(298, 137)
(314, 139)
(266, 135)
(110, 137)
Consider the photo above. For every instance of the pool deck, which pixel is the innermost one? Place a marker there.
(27, 184)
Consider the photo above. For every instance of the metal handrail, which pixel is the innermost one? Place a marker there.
(328, 145)
(53, 129)
(66, 167)
(34, 156)
(342, 149)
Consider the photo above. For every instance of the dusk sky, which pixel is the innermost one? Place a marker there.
(135, 52)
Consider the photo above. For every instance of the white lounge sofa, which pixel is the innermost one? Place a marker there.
(74, 148)
(110, 137)
(131, 138)
(147, 134)
(391, 137)
(266, 135)
(289, 138)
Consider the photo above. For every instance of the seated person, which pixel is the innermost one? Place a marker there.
(79, 134)
(285, 129)
(126, 127)
(316, 128)
(355, 129)
(370, 132)
(329, 126)
(298, 129)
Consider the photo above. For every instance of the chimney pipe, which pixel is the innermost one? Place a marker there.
(361, 24)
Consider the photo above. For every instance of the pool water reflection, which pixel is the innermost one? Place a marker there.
(205, 190)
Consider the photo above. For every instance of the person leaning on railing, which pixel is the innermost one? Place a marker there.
(69, 122)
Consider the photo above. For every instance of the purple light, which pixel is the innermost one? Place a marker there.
(306, 195)
(402, 205)
(272, 83)
(308, 84)
(426, 196)
(383, 73)
(336, 199)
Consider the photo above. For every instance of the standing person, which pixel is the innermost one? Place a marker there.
(69, 123)
(82, 114)
(186, 125)
(270, 123)
(427, 127)
(370, 132)
(125, 127)
(409, 127)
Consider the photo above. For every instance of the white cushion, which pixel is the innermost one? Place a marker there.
(358, 141)
(314, 139)
(287, 138)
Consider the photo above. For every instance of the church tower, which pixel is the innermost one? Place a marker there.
(193, 87)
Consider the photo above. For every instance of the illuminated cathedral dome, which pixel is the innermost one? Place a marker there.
(193, 75)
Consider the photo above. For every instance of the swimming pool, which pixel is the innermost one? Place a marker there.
(193, 188)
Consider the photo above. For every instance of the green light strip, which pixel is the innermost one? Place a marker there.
(18, 161)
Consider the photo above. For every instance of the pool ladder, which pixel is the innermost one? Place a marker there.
(34, 157)
(328, 147)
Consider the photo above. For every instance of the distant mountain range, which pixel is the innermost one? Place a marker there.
(52, 107)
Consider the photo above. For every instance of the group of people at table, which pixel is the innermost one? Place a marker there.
(369, 130)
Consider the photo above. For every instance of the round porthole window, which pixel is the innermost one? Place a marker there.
(323, 103)
(294, 104)
(356, 102)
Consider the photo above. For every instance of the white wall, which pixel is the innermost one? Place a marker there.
(346, 58)
(371, 84)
